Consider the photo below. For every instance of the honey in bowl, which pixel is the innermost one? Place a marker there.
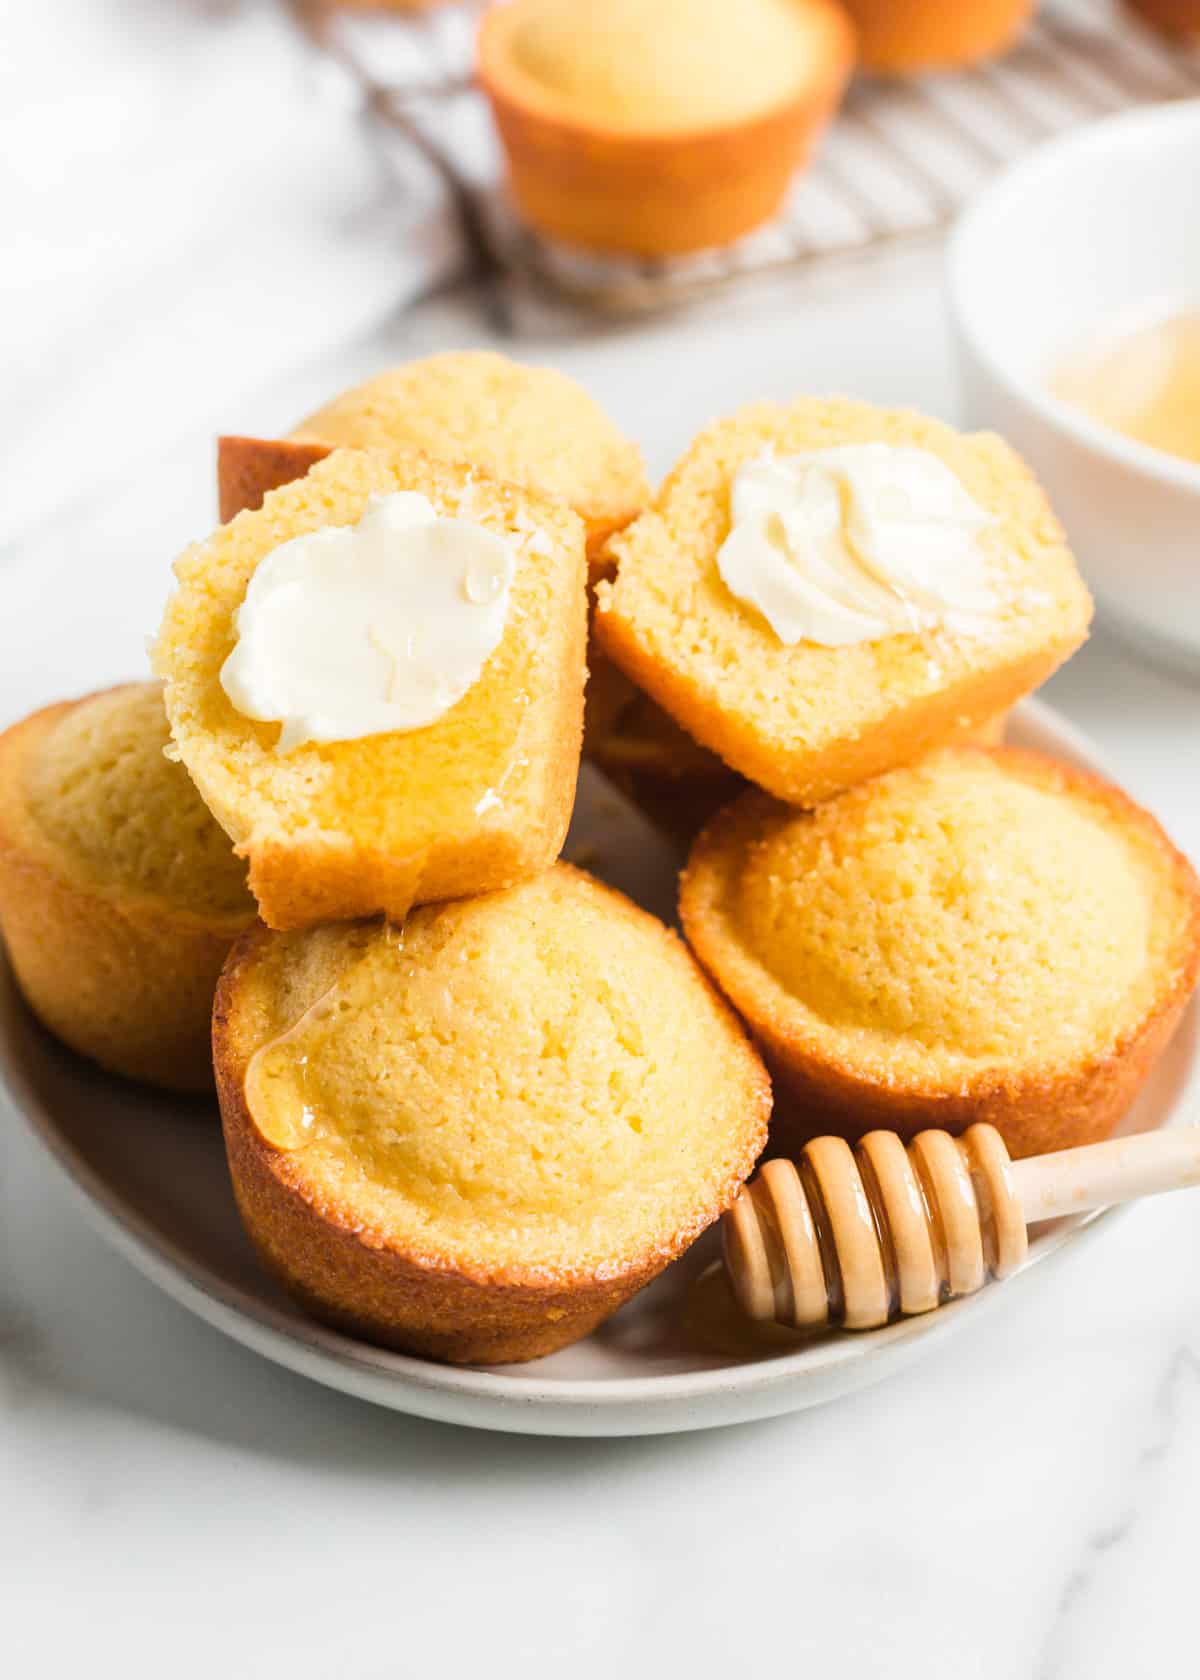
(1144, 383)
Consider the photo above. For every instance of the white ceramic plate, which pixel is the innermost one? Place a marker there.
(150, 1173)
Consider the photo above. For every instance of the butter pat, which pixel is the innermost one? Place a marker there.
(858, 542)
(372, 628)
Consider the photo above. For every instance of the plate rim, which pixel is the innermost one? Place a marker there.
(592, 1405)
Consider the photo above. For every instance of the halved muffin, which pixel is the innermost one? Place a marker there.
(475, 1136)
(988, 935)
(657, 765)
(870, 675)
(119, 894)
(654, 127)
(476, 799)
(530, 425)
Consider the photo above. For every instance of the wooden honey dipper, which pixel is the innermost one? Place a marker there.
(857, 1236)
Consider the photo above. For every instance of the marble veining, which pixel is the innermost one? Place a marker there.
(1097, 1571)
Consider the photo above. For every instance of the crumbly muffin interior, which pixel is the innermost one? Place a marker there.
(483, 767)
(532, 426)
(957, 915)
(540, 1072)
(101, 788)
(671, 601)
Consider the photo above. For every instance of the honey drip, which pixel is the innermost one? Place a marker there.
(1144, 384)
(281, 1084)
(712, 1322)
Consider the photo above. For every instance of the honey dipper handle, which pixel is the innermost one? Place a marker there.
(1074, 1180)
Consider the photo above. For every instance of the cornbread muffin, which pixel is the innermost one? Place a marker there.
(1178, 18)
(476, 1136)
(529, 425)
(907, 37)
(805, 720)
(655, 127)
(988, 935)
(478, 799)
(119, 894)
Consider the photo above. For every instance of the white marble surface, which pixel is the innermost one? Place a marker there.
(1018, 1505)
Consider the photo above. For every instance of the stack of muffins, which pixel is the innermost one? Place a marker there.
(473, 1099)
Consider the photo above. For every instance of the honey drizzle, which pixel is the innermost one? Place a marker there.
(1144, 384)
(284, 1131)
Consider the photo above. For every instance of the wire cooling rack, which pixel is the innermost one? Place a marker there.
(898, 162)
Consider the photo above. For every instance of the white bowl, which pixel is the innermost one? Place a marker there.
(1099, 227)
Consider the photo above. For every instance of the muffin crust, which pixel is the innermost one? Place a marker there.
(653, 127)
(477, 800)
(988, 935)
(475, 1137)
(807, 721)
(119, 895)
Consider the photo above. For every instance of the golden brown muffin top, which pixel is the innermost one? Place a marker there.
(529, 425)
(664, 64)
(978, 909)
(541, 1072)
(101, 788)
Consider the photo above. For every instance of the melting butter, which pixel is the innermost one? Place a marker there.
(369, 629)
(857, 542)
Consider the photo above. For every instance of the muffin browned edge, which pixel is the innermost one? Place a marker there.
(350, 1278)
(1035, 1115)
(72, 945)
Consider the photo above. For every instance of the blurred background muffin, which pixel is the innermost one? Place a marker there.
(906, 37)
(1180, 18)
(387, 5)
(659, 126)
